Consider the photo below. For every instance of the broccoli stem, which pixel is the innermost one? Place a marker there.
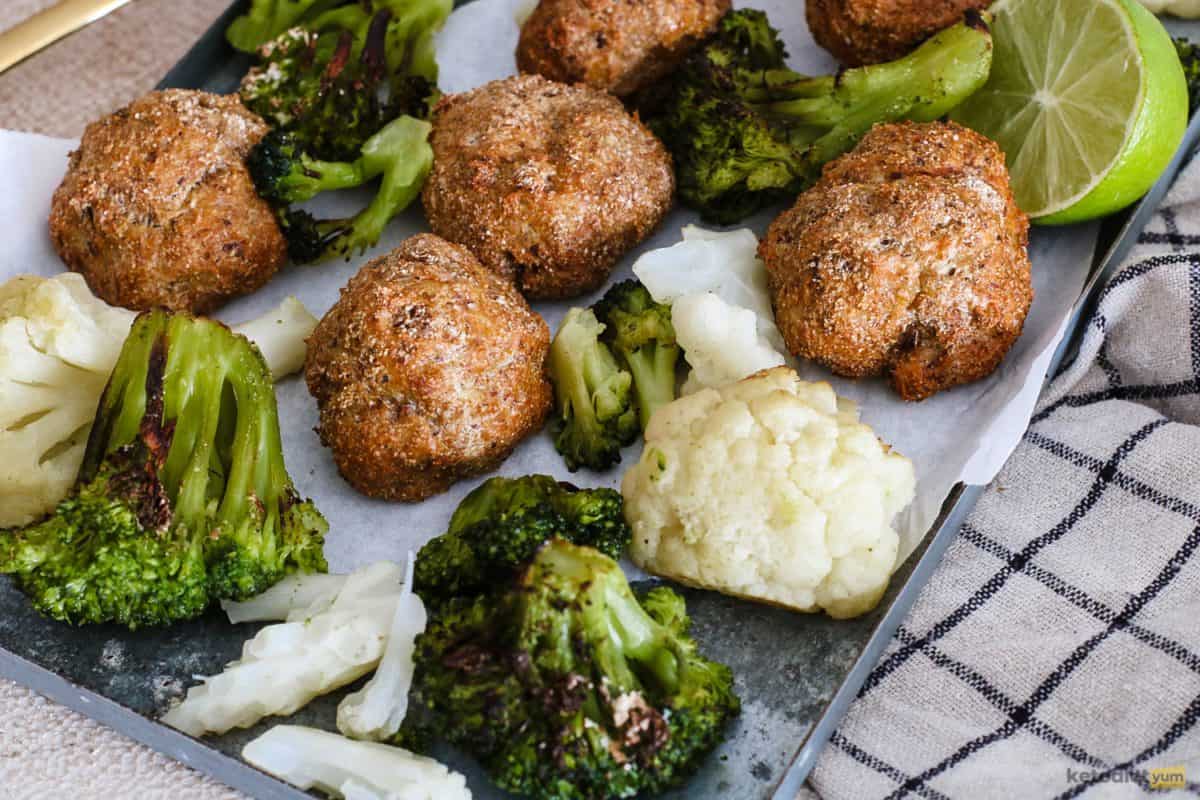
(653, 370)
(923, 86)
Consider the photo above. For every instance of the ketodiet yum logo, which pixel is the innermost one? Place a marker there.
(1162, 778)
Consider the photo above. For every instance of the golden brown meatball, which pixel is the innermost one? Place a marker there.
(428, 369)
(157, 208)
(861, 32)
(548, 184)
(614, 45)
(908, 258)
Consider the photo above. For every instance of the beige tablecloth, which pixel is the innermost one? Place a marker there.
(47, 751)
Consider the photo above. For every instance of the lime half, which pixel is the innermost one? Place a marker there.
(1086, 98)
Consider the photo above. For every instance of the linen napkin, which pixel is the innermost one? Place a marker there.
(1056, 652)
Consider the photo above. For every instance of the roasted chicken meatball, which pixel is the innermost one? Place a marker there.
(428, 369)
(157, 208)
(614, 45)
(908, 258)
(548, 184)
(861, 32)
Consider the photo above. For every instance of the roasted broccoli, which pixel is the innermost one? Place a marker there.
(746, 132)
(596, 413)
(399, 155)
(311, 87)
(640, 334)
(266, 19)
(501, 524)
(182, 497)
(1189, 57)
(566, 687)
(337, 81)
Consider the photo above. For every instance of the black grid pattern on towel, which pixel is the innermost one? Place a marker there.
(1105, 474)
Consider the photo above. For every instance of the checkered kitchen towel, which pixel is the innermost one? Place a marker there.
(1056, 652)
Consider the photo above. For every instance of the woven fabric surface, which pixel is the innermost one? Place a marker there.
(48, 752)
(1056, 652)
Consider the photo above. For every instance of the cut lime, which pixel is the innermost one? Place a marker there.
(1086, 98)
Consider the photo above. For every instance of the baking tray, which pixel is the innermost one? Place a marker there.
(125, 680)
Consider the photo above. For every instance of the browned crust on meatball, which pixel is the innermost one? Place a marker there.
(861, 32)
(428, 369)
(908, 258)
(548, 184)
(157, 208)
(614, 45)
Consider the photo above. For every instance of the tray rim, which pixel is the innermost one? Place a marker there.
(1125, 227)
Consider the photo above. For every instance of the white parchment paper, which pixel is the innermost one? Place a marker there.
(965, 434)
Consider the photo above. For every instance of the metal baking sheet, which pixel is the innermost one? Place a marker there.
(125, 680)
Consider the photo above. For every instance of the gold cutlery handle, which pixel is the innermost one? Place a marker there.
(48, 26)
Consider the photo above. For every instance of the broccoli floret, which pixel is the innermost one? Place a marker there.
(501, 524)
(747, 132)
(1189, 57)
(565, 686)
(399, 155)
(266, 19)
(315, 89)
(339, 78)
(596, 414)
(640, 334)
(182, 497)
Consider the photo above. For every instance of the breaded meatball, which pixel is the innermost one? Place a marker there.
(548, 184)
(861, 32)
(428, 369)
(614, 45)
(908, 258)
(157, 208)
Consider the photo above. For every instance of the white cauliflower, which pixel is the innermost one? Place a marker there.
(314, 759)
(327, 642)
(1188, 9)
(769, 489)
(725, 263)
(720, 342)
(376, 710)
(58, 344)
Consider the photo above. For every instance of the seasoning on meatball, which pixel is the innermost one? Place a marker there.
(614, 45)
(157, 208)
(861, 32)
(548, 184)
(908, 258)
(428, 369)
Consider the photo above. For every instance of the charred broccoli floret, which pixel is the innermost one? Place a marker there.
(410, 26)
(266, 19)
(565, 686)
(501, 524)
(337, 82)
(640, 334)
(596, 413)
(399, 155)
(1189, 57)
(311, 87)
(745, 131)
(182, 497)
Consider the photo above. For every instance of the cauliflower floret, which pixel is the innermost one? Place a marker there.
(725, 263)
(720, 342)
(769, 489)
(58, 344)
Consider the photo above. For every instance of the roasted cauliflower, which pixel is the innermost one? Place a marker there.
(772, 490)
